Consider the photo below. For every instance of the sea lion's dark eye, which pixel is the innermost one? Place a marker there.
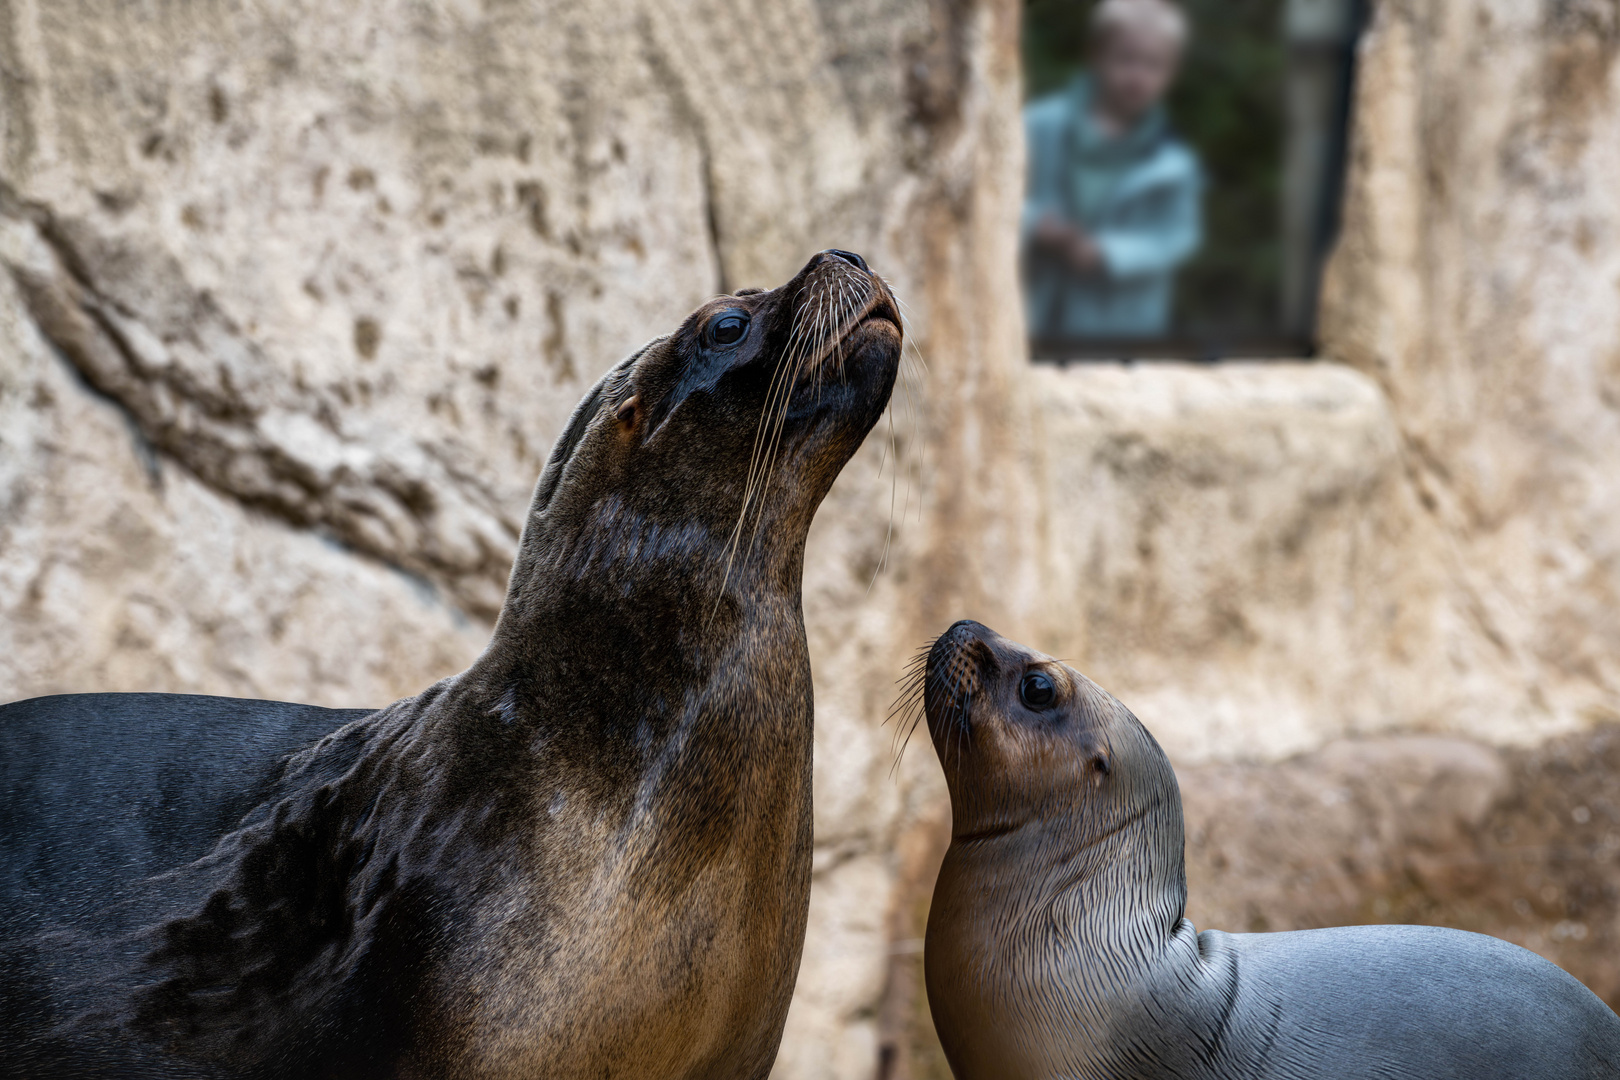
(1037, 690)
(728, 329)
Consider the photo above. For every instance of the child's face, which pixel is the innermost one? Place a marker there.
(1134, 67)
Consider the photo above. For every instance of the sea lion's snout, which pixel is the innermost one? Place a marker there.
(953, 678)
(946, 654)
(835, 322)
(757, 401)
(971, 662)
(1025, 739)
(1011, 728)
(842, 311)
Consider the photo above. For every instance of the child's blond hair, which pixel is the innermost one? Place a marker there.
(1158, 16)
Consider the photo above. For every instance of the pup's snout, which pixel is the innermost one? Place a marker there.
(953, 670)
(961, 633)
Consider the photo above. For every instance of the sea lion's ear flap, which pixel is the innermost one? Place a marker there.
(584, 412)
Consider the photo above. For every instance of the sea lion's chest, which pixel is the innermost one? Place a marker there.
(607, 955)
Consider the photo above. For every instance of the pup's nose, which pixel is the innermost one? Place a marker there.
(948, 644)
(848, 256)
(952, 675)
(966, 630)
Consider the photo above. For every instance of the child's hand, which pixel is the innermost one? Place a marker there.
(1072, 242)
(1083, 252)
(1053, 232)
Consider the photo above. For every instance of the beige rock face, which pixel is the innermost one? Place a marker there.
(297, 296)
(1478, 282)
(1230, 550)
(123, 572)
(1517, 843)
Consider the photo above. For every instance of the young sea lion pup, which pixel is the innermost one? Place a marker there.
(586, 856)
(1057, 945)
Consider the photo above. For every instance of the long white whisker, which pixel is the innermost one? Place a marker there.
(795, 362)
(754, 479)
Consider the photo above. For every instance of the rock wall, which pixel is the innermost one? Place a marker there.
(297, 296)
(1236, 552)
(1478, 281)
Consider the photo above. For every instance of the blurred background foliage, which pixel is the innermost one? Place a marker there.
(1229, 106)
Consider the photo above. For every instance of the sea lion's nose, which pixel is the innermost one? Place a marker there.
(848, 256)
(952, 641)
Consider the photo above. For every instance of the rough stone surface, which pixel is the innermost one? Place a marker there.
(296, 296)
(1477, 281)
(1518, 843)
(122, 571)
(1231, 550)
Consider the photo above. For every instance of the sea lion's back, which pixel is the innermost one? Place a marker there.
(98, 791)
(1421, 1001)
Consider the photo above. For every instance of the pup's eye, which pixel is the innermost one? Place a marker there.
(1037, 690)
(728, 329)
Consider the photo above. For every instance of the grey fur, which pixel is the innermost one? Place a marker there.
(1058, 945)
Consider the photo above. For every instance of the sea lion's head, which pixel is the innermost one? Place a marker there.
(1066, 838)
(717, 442)
(1030, 746)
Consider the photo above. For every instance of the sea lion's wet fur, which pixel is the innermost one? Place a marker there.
(1058, 945)
(588, 855)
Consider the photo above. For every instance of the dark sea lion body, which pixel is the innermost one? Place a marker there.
(1058, 947)
(587, 855)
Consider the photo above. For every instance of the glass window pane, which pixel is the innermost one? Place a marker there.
(1184, 163)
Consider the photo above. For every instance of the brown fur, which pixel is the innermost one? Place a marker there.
(589, 854)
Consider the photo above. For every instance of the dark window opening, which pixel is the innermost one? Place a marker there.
(1254, 122)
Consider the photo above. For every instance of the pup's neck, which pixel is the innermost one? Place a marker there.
(1040, 923)
(1109, 905)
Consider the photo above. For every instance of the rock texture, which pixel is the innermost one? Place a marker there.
(296, 296)
(1233, 551)
(1518, 843)
(1477, 281)
(122, 571)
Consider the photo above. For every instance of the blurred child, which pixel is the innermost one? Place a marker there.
(1113, 201)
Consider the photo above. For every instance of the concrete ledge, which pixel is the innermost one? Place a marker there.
(1221, 541)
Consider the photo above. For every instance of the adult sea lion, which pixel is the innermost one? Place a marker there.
(1057, 944)
(587, 855)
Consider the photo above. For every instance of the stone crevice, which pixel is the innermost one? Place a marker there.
(202, 393)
